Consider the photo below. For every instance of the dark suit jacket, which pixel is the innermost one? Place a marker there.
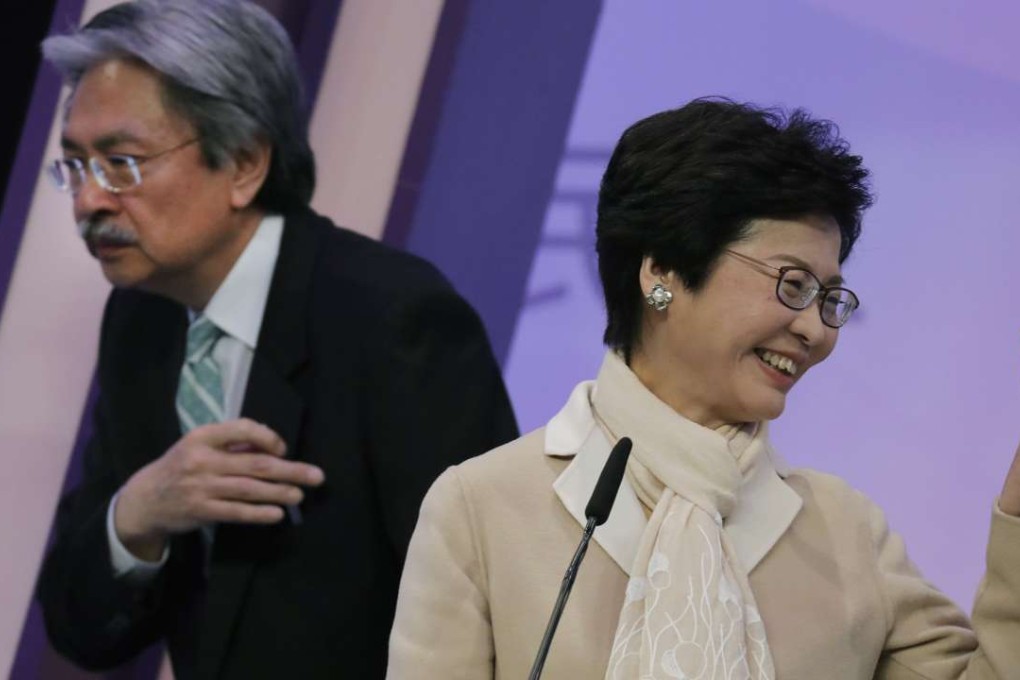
(370, 366)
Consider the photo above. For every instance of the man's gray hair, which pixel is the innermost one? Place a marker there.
(227, 66)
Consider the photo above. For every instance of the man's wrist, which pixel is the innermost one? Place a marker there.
(144, 546)
(126, 563)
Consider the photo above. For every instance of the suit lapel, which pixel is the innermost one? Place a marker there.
(273, 398)
(160, 329)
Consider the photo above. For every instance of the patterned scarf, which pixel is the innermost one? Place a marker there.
(689, 611)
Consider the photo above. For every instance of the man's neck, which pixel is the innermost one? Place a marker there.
(195, 287)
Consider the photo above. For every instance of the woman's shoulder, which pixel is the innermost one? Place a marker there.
(512, 475)
(491, 494)
(832, 496)
(521, 462)
(817, 480)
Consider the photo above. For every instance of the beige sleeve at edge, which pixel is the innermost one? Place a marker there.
(929, 636)
(442, 629)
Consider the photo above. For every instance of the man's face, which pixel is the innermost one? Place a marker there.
(177, 233)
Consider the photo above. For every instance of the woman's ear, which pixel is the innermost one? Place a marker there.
(251, 167)
(651, 274)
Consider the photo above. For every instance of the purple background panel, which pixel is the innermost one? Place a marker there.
(428, 116)
(918, 407)
(19, 44)
(34, 126)
(476, 208)
(311, 24)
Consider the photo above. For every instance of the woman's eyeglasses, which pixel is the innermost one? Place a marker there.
(797, 288)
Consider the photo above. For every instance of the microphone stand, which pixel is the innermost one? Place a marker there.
(561, 601)
(596, 512)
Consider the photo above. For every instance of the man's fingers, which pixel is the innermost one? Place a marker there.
(251, 490)
(236, 512)
(242, 434)
(269, 468)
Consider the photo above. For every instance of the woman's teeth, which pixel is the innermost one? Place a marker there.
(779, 362)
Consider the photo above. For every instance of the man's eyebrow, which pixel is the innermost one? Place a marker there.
(68, 144)
(102, 144)
(836, 280)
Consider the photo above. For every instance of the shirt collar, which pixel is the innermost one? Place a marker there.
(766, 509)
(239, 303)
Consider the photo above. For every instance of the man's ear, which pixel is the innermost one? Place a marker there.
(250, 169)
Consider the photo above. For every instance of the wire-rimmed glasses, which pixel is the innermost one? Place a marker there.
(115, 172)
(797, 288)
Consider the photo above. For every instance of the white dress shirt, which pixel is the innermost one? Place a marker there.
(236, 308)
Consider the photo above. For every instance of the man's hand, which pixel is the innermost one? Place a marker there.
(224, 472)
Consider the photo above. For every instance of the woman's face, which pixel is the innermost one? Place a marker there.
(708, 354)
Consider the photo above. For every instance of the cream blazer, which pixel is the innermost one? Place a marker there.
(838, 595)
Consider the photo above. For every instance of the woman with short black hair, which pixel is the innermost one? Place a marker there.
(721, 232)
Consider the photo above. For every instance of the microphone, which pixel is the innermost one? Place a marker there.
(597, 512)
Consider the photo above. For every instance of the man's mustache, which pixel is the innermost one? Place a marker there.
(95, 231)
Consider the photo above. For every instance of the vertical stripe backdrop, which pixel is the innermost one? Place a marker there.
(437, 126)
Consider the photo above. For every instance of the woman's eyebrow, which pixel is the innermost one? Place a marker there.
(836, 280)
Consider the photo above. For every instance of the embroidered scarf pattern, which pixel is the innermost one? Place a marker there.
(689, 612)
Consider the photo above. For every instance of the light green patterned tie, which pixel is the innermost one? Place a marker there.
(200, 391)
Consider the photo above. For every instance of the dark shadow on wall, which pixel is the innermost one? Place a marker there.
(19, 48)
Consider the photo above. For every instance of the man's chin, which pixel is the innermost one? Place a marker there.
(119, 276)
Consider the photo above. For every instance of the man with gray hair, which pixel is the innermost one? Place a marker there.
(276, 394)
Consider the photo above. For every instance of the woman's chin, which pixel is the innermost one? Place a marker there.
(767, 407)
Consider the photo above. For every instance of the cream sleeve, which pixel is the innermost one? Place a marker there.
(929, 637)
(442, 629)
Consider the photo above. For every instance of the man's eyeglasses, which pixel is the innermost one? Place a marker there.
(115, 173)
(797, 288)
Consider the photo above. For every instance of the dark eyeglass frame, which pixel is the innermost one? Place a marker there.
(100, 168)
(820, 294)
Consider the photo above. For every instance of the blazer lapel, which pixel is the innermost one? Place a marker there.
(573, 433)
(272, 397)
(767, 506)
(620, 536)
(766, 510)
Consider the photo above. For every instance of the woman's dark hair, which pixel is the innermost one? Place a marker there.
(682, 185)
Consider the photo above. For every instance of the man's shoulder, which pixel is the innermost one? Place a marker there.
(388, 291)
(354, 257)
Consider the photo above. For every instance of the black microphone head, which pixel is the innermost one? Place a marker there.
(602, 497)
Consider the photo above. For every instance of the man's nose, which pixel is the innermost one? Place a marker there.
(92, 198)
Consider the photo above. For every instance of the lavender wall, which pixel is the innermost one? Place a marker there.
(484, 148)
(919, 405)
